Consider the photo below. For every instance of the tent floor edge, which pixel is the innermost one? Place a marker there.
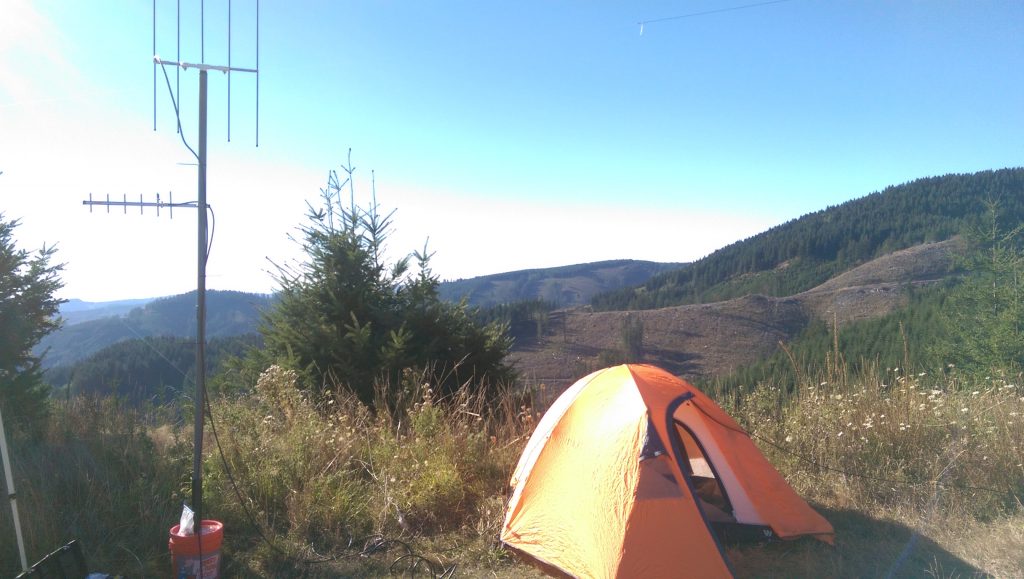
(541, 565)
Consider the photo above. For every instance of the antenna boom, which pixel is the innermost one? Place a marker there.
(188, 65)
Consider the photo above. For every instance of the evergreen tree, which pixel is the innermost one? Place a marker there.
(28, 311)
(633, 336)
(346, 318)
(984, 323)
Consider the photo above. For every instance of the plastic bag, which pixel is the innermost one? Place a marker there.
(186, 526)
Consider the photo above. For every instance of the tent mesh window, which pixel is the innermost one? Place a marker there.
(705, 480)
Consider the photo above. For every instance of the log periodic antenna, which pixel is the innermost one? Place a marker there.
(201, 205)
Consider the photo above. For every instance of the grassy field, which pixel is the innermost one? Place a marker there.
(920, 473)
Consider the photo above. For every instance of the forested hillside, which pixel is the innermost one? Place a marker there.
(805, 252)
(154, 369)
(228, 313)
(912, 338)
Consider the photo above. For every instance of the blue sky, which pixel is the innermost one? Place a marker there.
(513, 135)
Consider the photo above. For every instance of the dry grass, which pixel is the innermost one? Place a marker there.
(97, 476)
(327, 477)
(887, 457)
(920, 474)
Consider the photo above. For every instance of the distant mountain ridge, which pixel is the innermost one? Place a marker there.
(90, 327)
(846, 264)
(76, 311)
(564, 286)
(228, 313)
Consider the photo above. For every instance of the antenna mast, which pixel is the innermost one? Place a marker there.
(203, 207)
(203, 237)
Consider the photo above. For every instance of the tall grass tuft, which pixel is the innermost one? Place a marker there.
(319, 477)
(103, 475)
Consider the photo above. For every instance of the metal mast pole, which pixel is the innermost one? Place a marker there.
(203, 232)
(200, 395)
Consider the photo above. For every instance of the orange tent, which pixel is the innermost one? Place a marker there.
(632, 472)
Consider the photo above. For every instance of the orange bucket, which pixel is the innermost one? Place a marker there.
(185, 551)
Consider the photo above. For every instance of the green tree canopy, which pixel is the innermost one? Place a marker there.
(28, 311)
(984, 327)
(347, 318)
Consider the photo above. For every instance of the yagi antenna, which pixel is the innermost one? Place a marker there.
(125, 203)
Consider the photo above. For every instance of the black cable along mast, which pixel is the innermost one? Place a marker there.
(201, 205)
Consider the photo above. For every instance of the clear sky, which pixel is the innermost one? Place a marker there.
(514, 135)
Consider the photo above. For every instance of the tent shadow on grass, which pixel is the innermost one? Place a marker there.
(865, 547)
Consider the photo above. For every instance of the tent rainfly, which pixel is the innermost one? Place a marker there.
(633, 472)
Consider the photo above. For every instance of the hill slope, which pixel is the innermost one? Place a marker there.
(229, 313)
(155, 369)
(702, 340)
(565, 286)
(806, 252)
